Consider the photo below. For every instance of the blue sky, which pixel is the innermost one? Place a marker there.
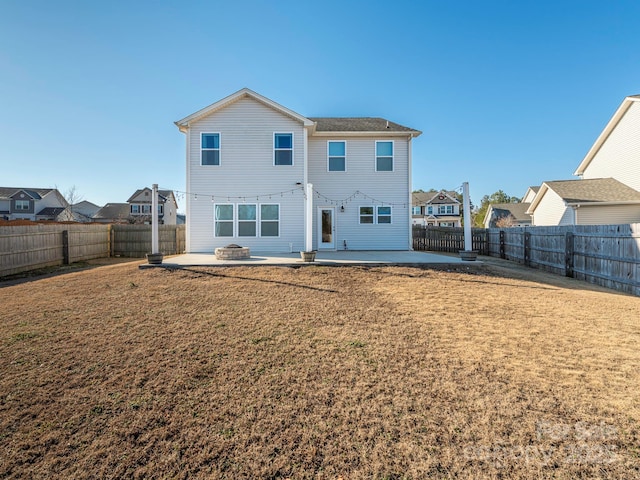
(507, 93)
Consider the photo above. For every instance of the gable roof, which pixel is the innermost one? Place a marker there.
(184, 124)
(351, 125)
(163, 195)
(449, 197)
(36, 193)
(593, 191)
(613, 123)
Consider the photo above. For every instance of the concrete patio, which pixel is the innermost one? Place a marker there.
(349, 257)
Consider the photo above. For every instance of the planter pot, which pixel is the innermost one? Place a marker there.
(468, 255)
(308, 256)
(154, 258)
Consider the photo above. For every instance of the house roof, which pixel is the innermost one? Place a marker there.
(162, 194)
(613, 123)
(113, 210)
(319, 125)
(590, 191)
(360, 125)
(433, 198)
(516, 210)
(50, 211)
(37, 193)
(184, 124)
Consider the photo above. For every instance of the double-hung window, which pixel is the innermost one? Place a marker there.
(337, 156)
(269, 220)
(210, 149)
(375, 215)
(223, 220)
(384, 156)
(429, 210)
(135, 209)
(415, 210)
(445, 209)
(146, 209)
(22, 204)
(247, 220)
(283, 148)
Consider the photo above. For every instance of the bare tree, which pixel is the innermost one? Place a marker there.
(506, 221)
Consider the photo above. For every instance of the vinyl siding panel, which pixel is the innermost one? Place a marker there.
(619, 156)
(608, 214)
(386, 187)
(246, 170)
(552, 210)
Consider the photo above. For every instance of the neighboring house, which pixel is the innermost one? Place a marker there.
(140, 206)
(530, 194)
(79, 212)
(250, 161)
(138, 209)
(599, 201)
(616, 152)
(31, 203)
(437, 209)
(507, 215)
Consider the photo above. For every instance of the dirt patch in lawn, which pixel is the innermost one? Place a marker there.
(317, 372)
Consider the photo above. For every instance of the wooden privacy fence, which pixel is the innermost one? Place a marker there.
(607, 255)
(24, 248)
(448, 239)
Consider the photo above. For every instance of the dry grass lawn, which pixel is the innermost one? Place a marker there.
(317, 372)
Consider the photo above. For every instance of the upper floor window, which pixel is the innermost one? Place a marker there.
(22, 204)
(384, 156)
(429, 210)
(283, 148)
(445, 209)
(210, 149)
(337, 156)
(415, 210)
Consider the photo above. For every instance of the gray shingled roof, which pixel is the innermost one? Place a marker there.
(594, 190)
(422, 198)
(162, 194)
(516, 210)
(37, 193)
(113, 211)
(357, 124)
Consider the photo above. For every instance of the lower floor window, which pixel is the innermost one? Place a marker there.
(242, 220)
(384, 215)
(375, 215)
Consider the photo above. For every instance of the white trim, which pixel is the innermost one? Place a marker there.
(335, 156)
(330, 134)
(233, 219)
(237, 221)
(390, 214)
(219, 149)
(293, 162)
(393, 156)
(334, 228)
(373, 214)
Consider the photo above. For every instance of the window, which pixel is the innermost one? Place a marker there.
(337, 156)
(210, 149)
(430, 210)
(269, 220)
(366, 215)
(384, 156)
(160, 209)
(384, 215)
(445, 209)
(415, 210)
(135, 209)
(146, 209)
(223, 220)
(283, 148)
(247, 220)
(22, 204)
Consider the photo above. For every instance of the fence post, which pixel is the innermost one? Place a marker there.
(112, 241)
(568, 254)
(527, 249)
(502, 249)
(65, 247)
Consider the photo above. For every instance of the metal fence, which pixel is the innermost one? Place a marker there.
(24, 248)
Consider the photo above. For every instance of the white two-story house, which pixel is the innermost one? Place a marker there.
(265, 177)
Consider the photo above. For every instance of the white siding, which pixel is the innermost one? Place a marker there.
(619, 156)
(246, 169)
(387, 187)
(552, 210)
(608, 214)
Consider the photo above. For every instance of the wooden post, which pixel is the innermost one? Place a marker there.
(527, 249)
(503, 253)
(65, 247)
(568, 254)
